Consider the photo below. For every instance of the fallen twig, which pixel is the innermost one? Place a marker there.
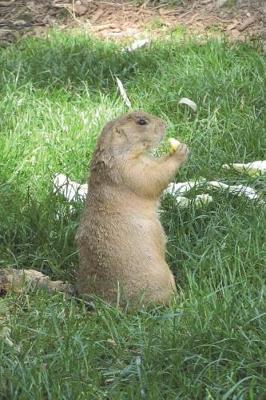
(246, 24)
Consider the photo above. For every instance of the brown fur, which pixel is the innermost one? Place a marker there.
(120, 239)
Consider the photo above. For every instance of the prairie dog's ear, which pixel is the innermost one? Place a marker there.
(112, 138)
(119, 134)
(119, 142)
(111, 143)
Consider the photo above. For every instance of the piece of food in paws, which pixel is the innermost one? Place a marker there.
(173, 144)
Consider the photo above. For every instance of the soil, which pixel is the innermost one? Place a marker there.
(119, 20)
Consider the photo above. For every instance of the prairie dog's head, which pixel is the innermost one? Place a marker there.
(133, 133)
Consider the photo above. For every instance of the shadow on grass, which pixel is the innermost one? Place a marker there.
(71, 61)
(38, 235)
(226, 83)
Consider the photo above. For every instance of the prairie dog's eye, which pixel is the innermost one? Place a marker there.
(142, 121)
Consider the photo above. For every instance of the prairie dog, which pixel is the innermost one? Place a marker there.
(120, 239)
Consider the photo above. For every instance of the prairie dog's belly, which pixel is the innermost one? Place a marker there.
(124, 233)
(125, 249)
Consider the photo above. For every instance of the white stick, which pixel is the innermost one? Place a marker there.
(191, 104)
(73, 191)
(253, 168)
(137, 44)
(123, 93)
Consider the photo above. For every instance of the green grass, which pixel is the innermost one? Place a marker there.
(56, 94)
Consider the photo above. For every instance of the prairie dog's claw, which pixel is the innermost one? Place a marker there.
(178, 148)
(182, 151)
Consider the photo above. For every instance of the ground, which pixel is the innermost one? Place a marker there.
(120, 19)
(57, 90)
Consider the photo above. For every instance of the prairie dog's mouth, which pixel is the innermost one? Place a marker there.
(155, 149)
(161, 148)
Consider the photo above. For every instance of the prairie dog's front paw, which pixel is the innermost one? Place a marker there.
(178, 148)
(182, 152)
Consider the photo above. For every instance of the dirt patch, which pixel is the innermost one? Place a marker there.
(121, 19)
